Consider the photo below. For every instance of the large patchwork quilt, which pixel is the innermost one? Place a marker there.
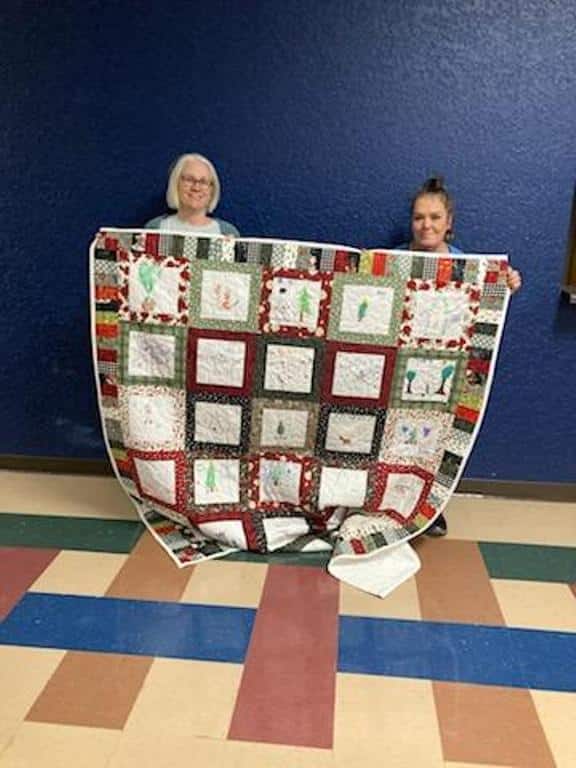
(276, 395)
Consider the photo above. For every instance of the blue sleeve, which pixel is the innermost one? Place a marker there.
(228, 229)
(154, 223)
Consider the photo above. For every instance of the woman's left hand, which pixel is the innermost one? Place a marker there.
(513, 280)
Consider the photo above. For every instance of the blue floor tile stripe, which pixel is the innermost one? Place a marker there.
(466, 653)
(135, 627)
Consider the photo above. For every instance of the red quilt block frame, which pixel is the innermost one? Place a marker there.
(307, 485)
(332, 349)
(379, 479)
(180, 474)
(127, 260)
(249, 340)
(197, 512)
(233, 513)
(406, 335)
(325, 281)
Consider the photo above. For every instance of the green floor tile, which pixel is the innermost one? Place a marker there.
(314, 559)
(54, 532)
(529, 562)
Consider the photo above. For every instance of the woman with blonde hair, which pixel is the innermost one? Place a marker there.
(193, 192)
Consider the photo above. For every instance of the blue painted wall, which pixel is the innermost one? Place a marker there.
(322, 116)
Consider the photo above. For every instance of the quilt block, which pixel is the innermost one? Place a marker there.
(268, 395)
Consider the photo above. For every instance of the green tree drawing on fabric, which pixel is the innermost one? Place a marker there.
(210, 479)
(304, 304)
(148, 275)
(280, 428)
(362, 309)
(410, 376)
(447, 371)
(276, 474)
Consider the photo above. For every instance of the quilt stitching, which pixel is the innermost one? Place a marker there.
(349, 432)
(366, 309)
(288, 367)
(152, 354)
(438, 316)
(357, 374)
(427, 380)
(220, 362)
(224, 295)
(283, 425)
(400, 492)
(415, 438)
(282, 481)
(153, 418)
(294, 303)
(217, 423)
(160, 476)
(153, 289)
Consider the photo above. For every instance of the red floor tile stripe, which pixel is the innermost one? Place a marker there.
(287, 691)
(19, 568)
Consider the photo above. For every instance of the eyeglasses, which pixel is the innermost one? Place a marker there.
(194, 182)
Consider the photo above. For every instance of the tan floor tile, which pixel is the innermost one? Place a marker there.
(519, 521)
(474, 765)
(59, 746)
(195, 698)
(557, 713)
(385, 721)
(220, 583)
(41, 493)
(536, 605)
(79, 573)
(181, 751)
(23, 674)
(8, 729)
(402, 603)
(250, 755)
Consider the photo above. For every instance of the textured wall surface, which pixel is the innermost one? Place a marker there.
(322, 117)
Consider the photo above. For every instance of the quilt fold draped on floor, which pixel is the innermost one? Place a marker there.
(271, 395)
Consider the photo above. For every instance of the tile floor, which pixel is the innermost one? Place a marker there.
(111, 657)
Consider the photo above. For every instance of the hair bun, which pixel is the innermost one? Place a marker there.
(434, 184)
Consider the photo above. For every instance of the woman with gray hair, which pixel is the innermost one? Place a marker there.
(193, 192)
